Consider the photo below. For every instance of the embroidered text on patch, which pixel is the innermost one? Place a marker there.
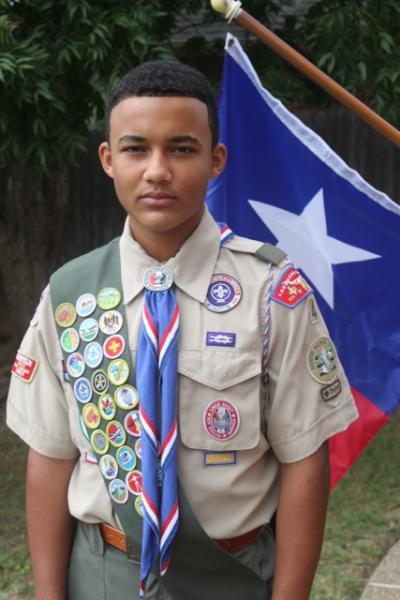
(24, 367)
(291, 289)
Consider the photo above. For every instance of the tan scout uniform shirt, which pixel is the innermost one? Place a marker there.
(285, 422)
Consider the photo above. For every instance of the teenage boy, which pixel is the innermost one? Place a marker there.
(178, 350)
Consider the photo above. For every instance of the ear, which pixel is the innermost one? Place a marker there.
(219, 155)
(105, 156)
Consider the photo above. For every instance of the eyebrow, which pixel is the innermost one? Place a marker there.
(177, 139)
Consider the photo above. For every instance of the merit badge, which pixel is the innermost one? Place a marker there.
(116, 433)
(138, 448)
(82, 390)
(65, 314)
(219, 459)
(114, 346)
(118, 491)
(93, 355)
(107, 407)
(291, 288)
(83, 428)
(139, 505)
(221, 420)
(100, 382)
(75, 365)
(322, 361)
(134, 482)
(118, 371)
(88, 329)
(69, 340)
(132, 423)
(108, 298)
(126, 458)
(126, 397)
(24, 367)
(158, 279)
(91, 415)
(331, 391)
(220, 338)
(111, 322)
(99, 441)
(224, 293)
(86, 305)
(108, 466)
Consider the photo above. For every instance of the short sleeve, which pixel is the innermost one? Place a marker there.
(309, 395)
(37, 409)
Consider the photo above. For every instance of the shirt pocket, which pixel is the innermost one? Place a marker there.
(219, 399)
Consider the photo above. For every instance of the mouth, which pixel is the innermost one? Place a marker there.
(157, 199)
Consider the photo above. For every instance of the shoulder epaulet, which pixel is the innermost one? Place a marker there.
(271, 254)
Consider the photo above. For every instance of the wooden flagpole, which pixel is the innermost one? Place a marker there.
(231, 9)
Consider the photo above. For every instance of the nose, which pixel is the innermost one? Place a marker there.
(157, 169)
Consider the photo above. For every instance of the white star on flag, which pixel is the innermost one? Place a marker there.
(305, 239)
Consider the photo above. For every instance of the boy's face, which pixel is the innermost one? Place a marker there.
(160, 158)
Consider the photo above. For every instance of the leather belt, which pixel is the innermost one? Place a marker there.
(117, 538)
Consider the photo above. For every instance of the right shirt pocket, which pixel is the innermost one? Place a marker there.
(219, 399)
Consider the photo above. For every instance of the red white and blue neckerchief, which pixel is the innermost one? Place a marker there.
(156, 379)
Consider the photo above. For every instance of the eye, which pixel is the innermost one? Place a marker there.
(133, 149)
(183, 150)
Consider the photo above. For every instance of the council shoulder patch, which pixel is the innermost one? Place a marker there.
(24, 367)
(291, 288)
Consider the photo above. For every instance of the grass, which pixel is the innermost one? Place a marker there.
(363, 519)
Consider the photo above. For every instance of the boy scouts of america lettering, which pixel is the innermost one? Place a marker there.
(92, 337)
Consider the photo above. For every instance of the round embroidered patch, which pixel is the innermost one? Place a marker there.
(107, 407)
(108, 298)
(224, 293)
(88, 329)
(126, 397)
(93, 355)
(116, 433)
(99, 441)
(158, 279)
(126, 458)
(118, 491)
(221, 420)
(139, 505)
(322, 361)
(100, 382)
(108, 466)
(91, 415)
(75, 365)
(86, 305)
(134, 482)
(82, 390)
(132, 423)
(111, 322)
(118, 371)
(65, 314)
(114, 346)
(69, 340)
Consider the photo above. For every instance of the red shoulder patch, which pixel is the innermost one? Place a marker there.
(24, 367)
(291, 289)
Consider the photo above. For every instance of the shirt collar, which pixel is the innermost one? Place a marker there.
(192, 267)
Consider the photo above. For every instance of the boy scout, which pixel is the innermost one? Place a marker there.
(179, 314)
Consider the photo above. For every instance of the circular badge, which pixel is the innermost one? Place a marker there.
(99, 441)
(158, 279)
(132, 423)
(82, 390)
(126, 458)
(91, 415)
(118, 491)
(93, 355)
(86, 305)
(65, 314)
(108, 466)
(116, 433)
(100, 382)
(75, 365)
(111, 322)
(107, 407)
(126, 397)
(134, 482)
(114, 346)
(108, 298)
(118, 371)
(88, 329)
(322, 361)
(224, 293)
(69, 340)
(139, 505)
(138, 448)
(83, 428)
(221, 420)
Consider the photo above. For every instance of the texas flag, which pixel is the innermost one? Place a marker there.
(284, 185)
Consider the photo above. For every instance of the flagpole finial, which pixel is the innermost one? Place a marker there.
(229, 8)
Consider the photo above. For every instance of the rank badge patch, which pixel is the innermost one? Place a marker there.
(24, 367)
(291, 289)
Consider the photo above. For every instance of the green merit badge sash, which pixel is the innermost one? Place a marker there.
(90, 317)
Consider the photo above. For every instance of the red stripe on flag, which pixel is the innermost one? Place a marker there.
(346, 446)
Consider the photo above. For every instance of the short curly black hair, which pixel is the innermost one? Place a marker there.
(165, 78)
